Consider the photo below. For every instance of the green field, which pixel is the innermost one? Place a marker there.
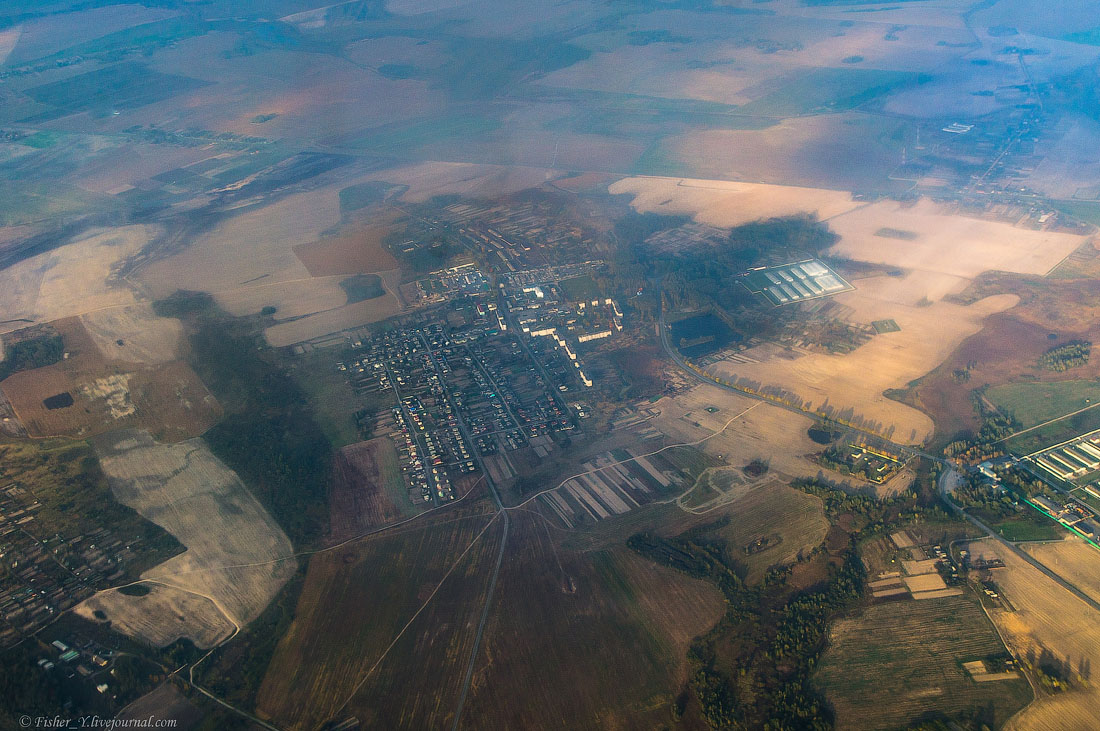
(900, 662)
(580, 289)
(123, 86)
(1034, 403)
(885, 326)
(827, 90)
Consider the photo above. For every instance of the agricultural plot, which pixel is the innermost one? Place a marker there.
(773, 524)
(899, 662)
(84, 394)
(134, 334)
(73, 279)
(611, 484)
(323, 662)
(1047, 622)
(612, 636)
(188, 492)
(947, 242)
(369, 490)
(1034, 403)
(853, 384)
(728, 204)
(161, 616)
(122, 86)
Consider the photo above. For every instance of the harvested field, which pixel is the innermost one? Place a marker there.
(1072, 559)
(70, 280)
(383, 580)
(947, 242)
(357, 250)
(854, 383)
(340, 317)
(251, 249)
(1047, 620)
(900, 661)
(160, 617)
(188, 492)
(165, 702)
(845, 151)
(728, 204)
(134, 334)
(168, 400)
(608, 630)
(368, 490)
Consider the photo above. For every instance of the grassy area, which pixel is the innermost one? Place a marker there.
(580, 289)
(827, 90)
(28, 202)
(1055, 433)
(901, 662)
(1086, 211)
(1029, 526)
(126, 85)
(1034, 403)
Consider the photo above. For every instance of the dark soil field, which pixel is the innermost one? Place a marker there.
(368, 490)
(608, 631)
(353, 606)
(901, 661)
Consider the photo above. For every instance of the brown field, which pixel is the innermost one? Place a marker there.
(368, 490)
(184, 489)
(165, 702)
(428, 179)
(856, 381)
(947, 242)
(847, 151)
(168, 400)
(71, 280)
(357, 250)
(728, 204)
(897, 661)
(1006, 350)
(161, 617)
(383, 581)
(1047, 618)
(609, 631)
(1072, 559)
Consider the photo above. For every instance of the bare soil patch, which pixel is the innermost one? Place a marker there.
(237, 557)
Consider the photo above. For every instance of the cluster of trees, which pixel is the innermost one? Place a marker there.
(771, 634)
(268, 435)
(753, 669)
(840, 460)
(1062, 358)
(24, 355)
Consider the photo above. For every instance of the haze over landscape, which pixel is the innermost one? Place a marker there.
(587, 364)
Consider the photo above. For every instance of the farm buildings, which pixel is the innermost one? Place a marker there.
(803, 280)
(1071, 460)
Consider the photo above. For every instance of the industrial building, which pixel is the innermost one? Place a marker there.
(796, 282)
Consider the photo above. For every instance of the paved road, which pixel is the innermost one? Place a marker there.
(948, 480)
